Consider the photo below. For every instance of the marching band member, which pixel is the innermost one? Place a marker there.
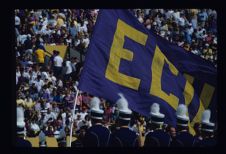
(183, 137)
(156, 136)
(97, 135)
(124, 137)
(207, 131)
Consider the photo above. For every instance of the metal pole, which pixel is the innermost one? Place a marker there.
(76, 97)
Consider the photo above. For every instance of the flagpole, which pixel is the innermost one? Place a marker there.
(72, 122)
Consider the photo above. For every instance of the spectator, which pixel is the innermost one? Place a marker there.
(58, 61)
(39, 83)
(68, 72)
(40, 56)
(50, 116)
(73, 30)
(84, 113)
(34, 128)
(203, 16)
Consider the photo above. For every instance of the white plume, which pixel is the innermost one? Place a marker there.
(155, 108)
(95, 103)
(181, 111)
(122, 104)
(206, 119)
(206, 116)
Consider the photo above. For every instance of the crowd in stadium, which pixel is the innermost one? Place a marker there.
(46, 90)
(194, 30)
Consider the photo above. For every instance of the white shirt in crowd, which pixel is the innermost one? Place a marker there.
(84, 27)
(32, 79)
(35, 74)
(52, 22)
(194, 22)
(75, 116)
(190, 31)
(68, 41)
(18, 74)
(60, 83)
(58, 61)
(48, 116)
(45, 21)
(46, 31)
(176, 16)
(158, 21)
(169, 14)
(200, 34)
(22, 38)
(26, 75)
(181, 21)
(81, 123)
(34, 127)
(39, 85)
(68, 67)
(146, 11)
(83, 114)
(57, 134)
(86, 42)
(44, 75)
(56, 111)
(52, 79)
(77, 42)
(58, 32)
